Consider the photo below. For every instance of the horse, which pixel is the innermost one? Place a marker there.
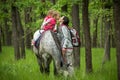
(49, 50)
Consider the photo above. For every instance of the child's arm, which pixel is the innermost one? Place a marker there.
(45, 23)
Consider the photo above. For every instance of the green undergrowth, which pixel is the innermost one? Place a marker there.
(28, 69)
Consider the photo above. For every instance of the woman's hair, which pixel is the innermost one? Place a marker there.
(65, 20)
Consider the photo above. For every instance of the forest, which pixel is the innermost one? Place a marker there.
(96, 21)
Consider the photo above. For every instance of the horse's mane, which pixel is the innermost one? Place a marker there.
(57, 41)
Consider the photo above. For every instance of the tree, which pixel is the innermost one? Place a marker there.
(15, 33)
(76, 25)
(18, 33)
(101, 33)
(64, 8)
(0, 40)
(107, 42)
(7, 30)
(53, 1)
(107, 6)
(86, 28)
(116, 12)
(28, 20)
(94, 42)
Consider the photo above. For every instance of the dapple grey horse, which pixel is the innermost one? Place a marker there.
(49, 50)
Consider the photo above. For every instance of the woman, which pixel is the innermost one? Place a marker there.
(66, 44)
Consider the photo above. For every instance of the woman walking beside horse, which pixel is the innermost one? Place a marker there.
(66, 44)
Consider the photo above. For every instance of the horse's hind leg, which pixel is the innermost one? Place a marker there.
(55, 69)
(40, 62)
(47, 64)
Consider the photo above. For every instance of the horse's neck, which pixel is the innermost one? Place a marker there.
(56, 40)
(51, 37)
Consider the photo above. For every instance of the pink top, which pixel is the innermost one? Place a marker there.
(51, 24)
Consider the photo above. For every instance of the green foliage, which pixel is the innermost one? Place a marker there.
(28, 69)
(4, 10)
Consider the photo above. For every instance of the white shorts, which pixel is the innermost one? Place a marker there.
(37, 34)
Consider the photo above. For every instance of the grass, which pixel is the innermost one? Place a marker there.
(28, 69)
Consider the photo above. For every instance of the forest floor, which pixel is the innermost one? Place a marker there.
(28, 69)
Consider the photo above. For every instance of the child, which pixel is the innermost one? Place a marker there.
(48, 24)
(50, 21)
(47, 18)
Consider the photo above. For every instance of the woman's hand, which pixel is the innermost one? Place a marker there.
(63, 54)
(64, 50)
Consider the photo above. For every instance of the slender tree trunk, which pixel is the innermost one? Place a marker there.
(21, 35)
(64, 8)
(107, 42)
(6, 26)
(112, 38)
(86, 28)
(15, 33)
(42, 0)
(28, 37)
(95, 33)
(116, 12)
(2, 36)
(28, 32)
(8, 33)
(101, 33)
(42, 14)
(76, 25)
(0, 40)
(53, 1)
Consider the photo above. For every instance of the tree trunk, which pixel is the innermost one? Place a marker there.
(2, 36)
(64, 8)
(42, 0)
(28, 19)
(6, 26)
(0, 40)
(42, 15)
(101, 33)
(86, 28)
(15, 33)
(107, 42)
(7, 35)
(53, 1)
(116, 12)
(76, 25)
(21, 35)
(112, 38)
(95, 33)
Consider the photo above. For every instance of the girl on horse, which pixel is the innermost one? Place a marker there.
(49, 23)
